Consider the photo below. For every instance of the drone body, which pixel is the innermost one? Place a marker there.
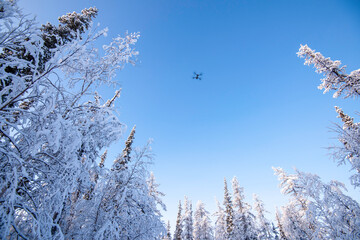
(197, 76)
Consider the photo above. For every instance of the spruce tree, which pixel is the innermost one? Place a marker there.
(187, 233)
(202, 223)
(264, 228)
(229, 212)
(220, 223)
(155, 193)
(168, 231)
(122, 161)
(244, 220)
(72, 26)
(179, 225)
(280, 225)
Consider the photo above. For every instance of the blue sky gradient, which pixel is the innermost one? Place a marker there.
(257, 106)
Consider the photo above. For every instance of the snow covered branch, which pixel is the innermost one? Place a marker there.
(335, 79)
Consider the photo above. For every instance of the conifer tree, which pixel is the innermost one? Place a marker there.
(264, 228)
(346, 85)
(179, 224)
(122, 161)
(155, 193)
(102, 159)
(244, 220)
(168, 232)
(317, 210)
(187, 233)
(275, 232)
(72, 25)
(229, 212)
(220, 223)
(202, 223)
(279, 225)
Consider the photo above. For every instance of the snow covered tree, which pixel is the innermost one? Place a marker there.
(179, 224)
(168, 232)
(347, 85)
(349, 136)
(279, 225)
(317, 210)
(275, 232)
(155, 193)
(220, 223)
(244, 220)
(229, 212)
(126, 204)
(51, 186)
(187, 219)
(71, 25)
(335, 77)
(48, 144)
(264, 227)
(202, 223)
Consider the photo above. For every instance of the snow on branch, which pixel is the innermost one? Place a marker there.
(335, 79)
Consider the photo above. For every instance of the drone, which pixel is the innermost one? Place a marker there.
(197, 76)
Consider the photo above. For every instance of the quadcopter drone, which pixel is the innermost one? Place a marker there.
(197, 76)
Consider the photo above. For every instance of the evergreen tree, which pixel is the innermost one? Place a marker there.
(122, 161)
(202, 223)
(346, 85)
(220, 223)
(264, 228)
(280, 226)
(244, 220)
(50, 37)
(123, 206)
(155, 193)
(168, 232)
(229, 212)
(317, 210)
(179, 225)
(275, 232)
(187, 233)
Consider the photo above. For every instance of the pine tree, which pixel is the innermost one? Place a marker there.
(179, 224)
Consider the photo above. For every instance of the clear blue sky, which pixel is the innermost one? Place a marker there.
(257, 106)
